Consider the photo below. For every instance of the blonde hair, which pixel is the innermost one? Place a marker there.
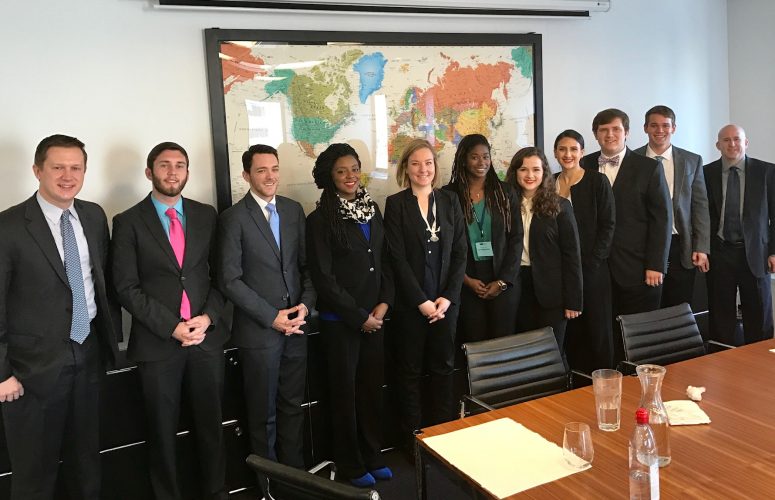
(402, 177)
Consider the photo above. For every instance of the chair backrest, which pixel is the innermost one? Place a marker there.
(287, 483)
(509, 370)
(661, 337)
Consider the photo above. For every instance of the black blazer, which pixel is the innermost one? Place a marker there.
(406, 244)
(555, 259)
(644, 218)
(349, 281)
(506, 246)
(595, 212)
(255, 275)
(758, 210)
(35, 298)
(150, 282)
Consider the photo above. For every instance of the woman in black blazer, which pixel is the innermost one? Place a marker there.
(550, 275)
(345, 243)
(427, 246)
(494, 229)
(590, 337)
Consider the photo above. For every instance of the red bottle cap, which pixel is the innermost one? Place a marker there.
(642, 416)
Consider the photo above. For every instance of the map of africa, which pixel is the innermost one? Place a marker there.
(301, 98)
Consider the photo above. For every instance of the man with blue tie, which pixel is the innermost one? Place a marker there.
(58, 328)
(162, 249)
(741, 198)
(262, 269)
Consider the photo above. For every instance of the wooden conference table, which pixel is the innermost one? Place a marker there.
(732, 457)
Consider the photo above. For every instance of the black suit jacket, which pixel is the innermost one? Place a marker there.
(406, 244)
(555, 260)
(35, 297)
(644, 218)
(255, 275)
(690, 203)
(150, 282)
(758, 210)
(349, 281)
(506, 246)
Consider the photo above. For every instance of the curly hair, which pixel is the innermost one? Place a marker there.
(495, 197)
(546, 201)
(329, 200)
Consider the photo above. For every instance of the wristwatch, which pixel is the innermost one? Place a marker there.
(503, 285)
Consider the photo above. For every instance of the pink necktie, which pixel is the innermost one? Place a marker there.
(178, 242)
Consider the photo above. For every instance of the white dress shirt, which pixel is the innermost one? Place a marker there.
(610, 171)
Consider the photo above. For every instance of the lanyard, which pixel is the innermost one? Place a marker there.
(479, 223)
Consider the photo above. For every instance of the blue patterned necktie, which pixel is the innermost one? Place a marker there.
(274, 222)
(79, 327)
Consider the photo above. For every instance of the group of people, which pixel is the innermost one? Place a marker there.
(614, 232)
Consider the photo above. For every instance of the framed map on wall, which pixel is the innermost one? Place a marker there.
(300, 91)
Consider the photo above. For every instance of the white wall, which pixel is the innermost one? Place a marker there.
(752, 72)
(123, 76)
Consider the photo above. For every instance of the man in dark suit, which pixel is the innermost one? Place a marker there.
(161, 266)
(690, 242)
(262, 269)
(58, 328)
(741, 196)
(644, 218)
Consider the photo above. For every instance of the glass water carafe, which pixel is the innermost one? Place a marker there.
(651, 377)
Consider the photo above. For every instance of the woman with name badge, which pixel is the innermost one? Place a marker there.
(491, 211)
(427, 245)
(550, 276)
(345, 246)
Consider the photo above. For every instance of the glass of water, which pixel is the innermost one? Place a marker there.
(577, 445)
(607, 386)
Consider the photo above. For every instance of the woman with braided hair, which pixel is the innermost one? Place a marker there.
(345, 243)
(494, 230)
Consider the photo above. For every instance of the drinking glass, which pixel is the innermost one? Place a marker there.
(607, 386)
(577, 445)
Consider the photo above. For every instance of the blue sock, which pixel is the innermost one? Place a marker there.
(364, 481)
(383, 473)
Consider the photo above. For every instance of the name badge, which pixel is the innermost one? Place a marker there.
(484, 249)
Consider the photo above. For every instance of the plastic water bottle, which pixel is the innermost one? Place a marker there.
(644, 461)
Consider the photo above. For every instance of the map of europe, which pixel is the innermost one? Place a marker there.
(301, 98)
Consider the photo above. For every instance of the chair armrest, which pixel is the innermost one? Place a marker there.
(475, 400)
(718, 346)
(626, 367)
(573, 374)
(322, 465)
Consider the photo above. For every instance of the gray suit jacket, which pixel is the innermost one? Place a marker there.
(690, 203)
(256, 275)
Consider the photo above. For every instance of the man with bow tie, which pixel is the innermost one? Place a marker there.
(644, 219)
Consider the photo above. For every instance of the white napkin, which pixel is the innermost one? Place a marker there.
(685, 412)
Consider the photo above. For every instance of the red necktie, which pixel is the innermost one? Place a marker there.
(178, 242)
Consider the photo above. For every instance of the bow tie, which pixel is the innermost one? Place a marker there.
(614, 162)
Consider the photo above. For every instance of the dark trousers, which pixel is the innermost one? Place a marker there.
(274, 379)
(532, 315)
(61, 423)
(482, 319)
(200, 373)
(420, 347)
(589, 337)
(678, 286)
(355, 375)
(630, 300)
(729, 272)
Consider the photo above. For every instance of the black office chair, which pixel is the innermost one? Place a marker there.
(662, 337)
(286, 483)
(512, 369)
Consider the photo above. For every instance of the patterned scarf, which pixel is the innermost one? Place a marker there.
(359, 210)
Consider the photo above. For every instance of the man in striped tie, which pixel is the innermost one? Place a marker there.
(161, 268)
(58, 328)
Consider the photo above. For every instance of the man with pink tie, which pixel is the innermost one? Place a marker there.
(161, 268)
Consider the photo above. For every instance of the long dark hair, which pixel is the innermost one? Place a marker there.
(329, 200)
(546, 201)
(494, 195)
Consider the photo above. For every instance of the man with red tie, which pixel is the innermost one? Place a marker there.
(161, 268)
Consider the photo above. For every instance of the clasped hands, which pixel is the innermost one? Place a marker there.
(192, 332)
(290, 326)
(435, 310)
(376, 318)
(484, 291)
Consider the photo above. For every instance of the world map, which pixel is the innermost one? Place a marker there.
(301, 98)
